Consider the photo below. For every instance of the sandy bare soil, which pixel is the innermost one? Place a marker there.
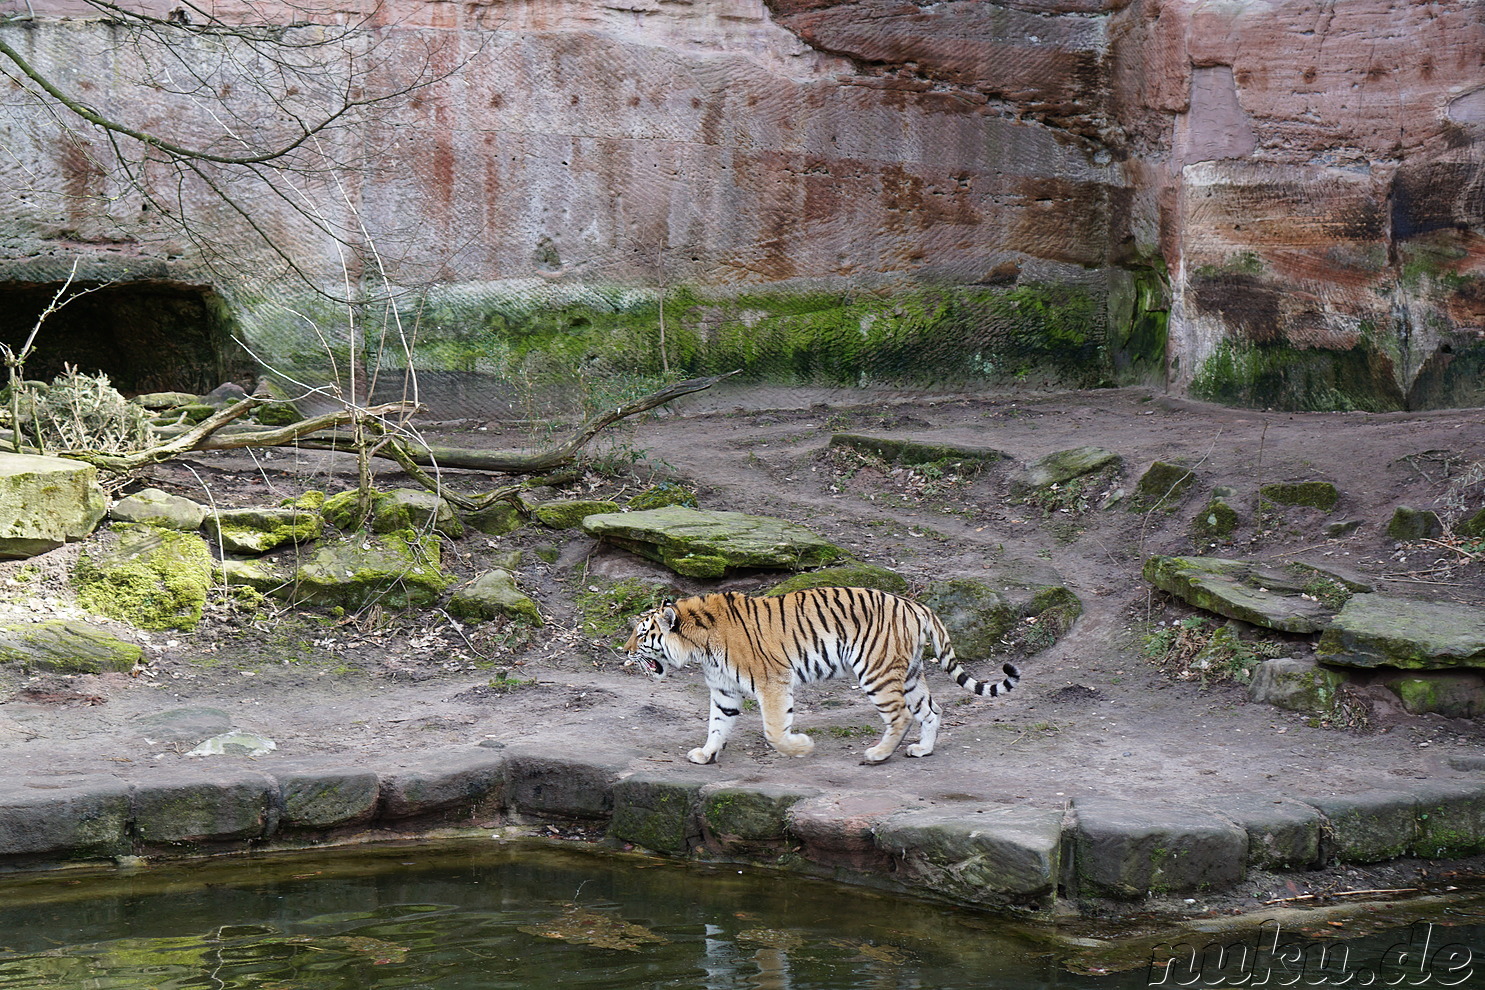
(1092, 716)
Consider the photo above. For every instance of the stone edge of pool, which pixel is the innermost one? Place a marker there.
(1001, 856)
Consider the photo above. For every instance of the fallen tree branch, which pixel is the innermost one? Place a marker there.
(510, 462)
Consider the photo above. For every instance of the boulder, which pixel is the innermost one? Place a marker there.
(1413, 524)
(1060, 467)
(844, 576)
(46, 502)
(154, 578)
(702, 543)
(260, 575)
(1217, 522)
(491, 595)
(163, 400)
(1162, 486)
(1381, 631)
(257, 531)
(1320, 495)
(494, 520)
(1451, 693)
(394, 571)
(1296, 685)
(570, 513)
(66, 648)
(1018, 606)
(400, 509)
(156, 508)
(1291, 599)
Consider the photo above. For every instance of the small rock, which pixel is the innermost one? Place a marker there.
(157, 508)
(235, 744)
(1413, 524)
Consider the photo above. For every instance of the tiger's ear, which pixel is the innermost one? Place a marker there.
(668, 616)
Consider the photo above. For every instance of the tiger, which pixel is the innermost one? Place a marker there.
(764, 647)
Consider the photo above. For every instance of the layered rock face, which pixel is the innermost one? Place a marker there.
(1293, 183)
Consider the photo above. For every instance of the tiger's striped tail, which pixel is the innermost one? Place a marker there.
(961, 676)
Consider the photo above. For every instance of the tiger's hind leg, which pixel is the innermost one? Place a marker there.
(776, 703)
(893, 708)
(927, 712)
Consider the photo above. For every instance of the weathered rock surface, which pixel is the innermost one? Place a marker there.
(493, 594)
(388, 571)
(568, 513)
(910, 453)
(46, 502)
(1299, 685)
(1124, 850)
(413, 509)
(154, 578)
(844, 576)
(1252, 591)
(1381, 631)
(67, 648)
(153, 507)
(257, 531)
(1061, 467)
(998, 856)
(1162, 486)
(703, 543)
(1451, 693)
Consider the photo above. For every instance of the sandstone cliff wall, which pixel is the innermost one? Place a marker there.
(1277, 203)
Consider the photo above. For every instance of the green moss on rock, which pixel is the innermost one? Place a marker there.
(154, 579)
(1320, 495)
(1413, 524)
(395, 570)
(1162, 486)
(67, 648)
(1218, 521)
(845, 576)
(570, 513)
(661, 495)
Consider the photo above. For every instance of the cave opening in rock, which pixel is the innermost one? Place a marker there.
(146, 336)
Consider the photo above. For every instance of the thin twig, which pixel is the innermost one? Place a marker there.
(1458, 550)
(1344, 893)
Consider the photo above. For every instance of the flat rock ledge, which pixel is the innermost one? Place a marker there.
(1289, 598)
(1015, 857)
(707, 544)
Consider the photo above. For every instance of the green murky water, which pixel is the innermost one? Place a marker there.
(448, 917)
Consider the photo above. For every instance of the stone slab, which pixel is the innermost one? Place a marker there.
(839, 829)
(743, 819)
(994, 856)
(1282, 834)
(450, 786)
(1127, 851)
(69, 818)
(1366, 826)
(542, 782)
(1382, 631)
(207, 806)
(1451, 819)
(659, 810)
(322, 798)
(1247, 590)
(704, 543)
(46, 502)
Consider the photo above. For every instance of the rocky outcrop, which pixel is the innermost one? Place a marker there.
(702, 543)
(1274, 204)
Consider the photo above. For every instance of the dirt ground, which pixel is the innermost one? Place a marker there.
(1092, 715)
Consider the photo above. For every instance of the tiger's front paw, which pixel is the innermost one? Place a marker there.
(796, 744)
(700, 755)
(918, 749)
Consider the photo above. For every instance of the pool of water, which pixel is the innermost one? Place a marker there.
(447, 917)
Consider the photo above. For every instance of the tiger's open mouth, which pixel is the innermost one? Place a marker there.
(653, 666)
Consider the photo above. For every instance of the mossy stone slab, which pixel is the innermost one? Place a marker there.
(1471, 527)
(67, 648)
(844, 576)
(1382, 631)
(154, 579)
(257, 531)
(1248, 590)
(85, 817)
(494, 520)
(1366, 826)
(975, 615)
(1060, 467)
(913, 453)
(570, 513)
(493, 594)
(1451, 693)
(749, 818)
(397, 571)
(1320, 495)
(413, 509)
(1162, 486)
(154, 507)
(260, 575)
(1282, 834)
(705, 543)
(46, 502)
(659, 811)
(1413, 524)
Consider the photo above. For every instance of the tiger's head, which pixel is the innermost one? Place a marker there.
(647, 642)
